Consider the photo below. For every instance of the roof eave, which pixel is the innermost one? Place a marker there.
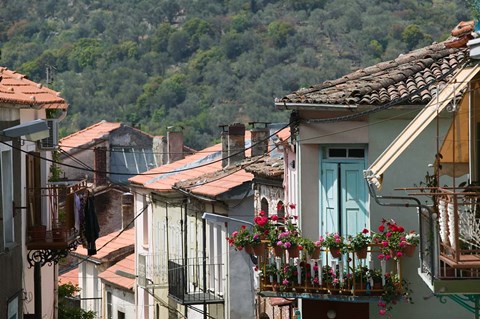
(309, 106)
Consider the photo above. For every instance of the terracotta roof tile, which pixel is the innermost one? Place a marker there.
(69, 277)
(16, 89)
(88, 135)
(120, 245)
(387, 81)
(127, 265)
(268, 167)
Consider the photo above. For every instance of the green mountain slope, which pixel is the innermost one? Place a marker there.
(204, 63)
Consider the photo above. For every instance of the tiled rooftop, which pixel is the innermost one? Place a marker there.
(126, 265)
(267, 167)
(69, 277)
(16, 89)
(122, 244)
(397, 80)
(88, 135)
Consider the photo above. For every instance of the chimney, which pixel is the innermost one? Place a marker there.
(100, 166)
(174, 143)
(233, 144)
(159, 148)
(127, 210)
(259, 138)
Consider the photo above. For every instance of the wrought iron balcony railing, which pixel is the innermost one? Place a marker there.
(195, 281)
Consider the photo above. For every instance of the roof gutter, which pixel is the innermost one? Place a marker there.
(293, 106)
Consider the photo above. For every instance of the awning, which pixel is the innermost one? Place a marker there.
(457, 84)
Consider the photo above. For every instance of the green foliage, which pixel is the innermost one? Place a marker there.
(202, 63)
(65, 309)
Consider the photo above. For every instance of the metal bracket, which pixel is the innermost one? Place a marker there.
(50, 256)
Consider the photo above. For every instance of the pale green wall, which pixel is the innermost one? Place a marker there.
(407, 171)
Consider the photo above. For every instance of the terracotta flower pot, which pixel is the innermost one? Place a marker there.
(293, 251)
(335, 252)
(361, 253)
(278, 251)
(248, 249)
(259, 249)
(409, 250)
(316, 253)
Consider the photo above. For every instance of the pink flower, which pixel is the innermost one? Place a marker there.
(262, 213)
(387, 257)
(385, 243)
(399, 254)
(365, 231)
(388, 234)
(274, 218)
(261, 220)
(243, 227)
(292, 206)
(382, 312)
(287, 245)
(279, 243)
(382, 304)
(381, 256)
(234, 234)
(381, 228)
(285, 282)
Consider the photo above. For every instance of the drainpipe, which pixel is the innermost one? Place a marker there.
(420, 207)
(37, 289)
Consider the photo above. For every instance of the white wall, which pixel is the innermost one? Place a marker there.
(122, 301)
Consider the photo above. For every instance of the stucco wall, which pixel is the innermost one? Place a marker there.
(122, 300)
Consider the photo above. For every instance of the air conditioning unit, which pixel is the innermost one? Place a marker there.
(51, 142)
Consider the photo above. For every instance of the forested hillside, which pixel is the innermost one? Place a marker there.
(204, 63)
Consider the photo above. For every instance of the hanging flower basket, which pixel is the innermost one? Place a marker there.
(249, 249)
(293, 251)
(361, 253)
(278, 251)
(336, 252)
(316, 253)
(259, 249)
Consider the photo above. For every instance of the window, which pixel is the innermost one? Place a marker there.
(145, 220)
(109, 305)
(13, 309)
(280, 209)
(6, 196)
(120, 315)
(352, 153)
(264, 205)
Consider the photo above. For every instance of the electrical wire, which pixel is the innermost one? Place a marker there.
(146, 174)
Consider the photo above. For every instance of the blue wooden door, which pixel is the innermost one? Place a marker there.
(343, 197)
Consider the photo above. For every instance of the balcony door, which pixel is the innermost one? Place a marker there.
(343, 199)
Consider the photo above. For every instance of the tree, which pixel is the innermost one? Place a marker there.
(65, 308)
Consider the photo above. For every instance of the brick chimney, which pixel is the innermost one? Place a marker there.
(233, 144)
(259, 138)
(100, 166)
(174, 144)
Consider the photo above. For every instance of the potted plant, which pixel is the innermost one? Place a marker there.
(391, 238)
(359, 243)
(413, 239)
(241, 239)
(360, 278)
(374, 277)
(335, 243)
(395, 290)
(311, 247)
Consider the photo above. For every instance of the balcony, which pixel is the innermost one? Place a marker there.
(195, 281)
(348, 278)
(60, 234)
(450, 244)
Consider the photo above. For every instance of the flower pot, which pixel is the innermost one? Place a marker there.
(293, 251)
(278, 251)
(37, 233)
(409, 250)
(361, 253)
(259, 249)
(249, 249)
(335, 252)
(58, 234)
(316, 253)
